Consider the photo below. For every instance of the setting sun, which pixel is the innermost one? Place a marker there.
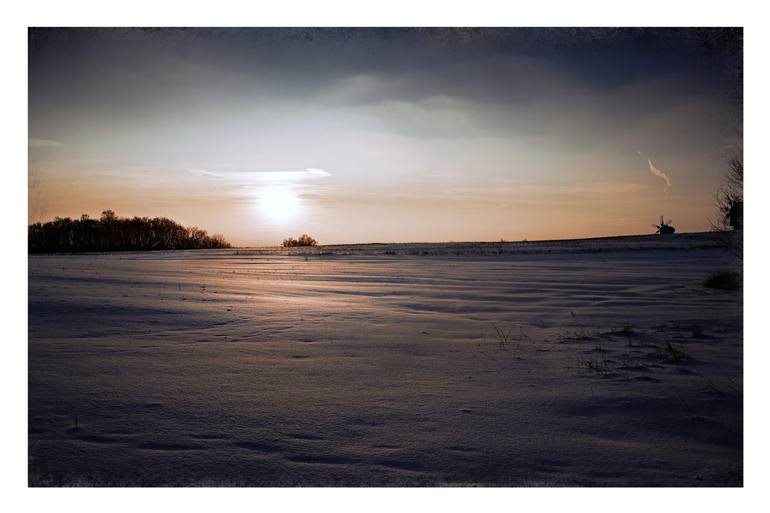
(278, 204)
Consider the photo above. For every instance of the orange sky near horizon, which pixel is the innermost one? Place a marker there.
(261, 134)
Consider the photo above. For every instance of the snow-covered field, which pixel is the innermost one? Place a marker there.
(601, 362)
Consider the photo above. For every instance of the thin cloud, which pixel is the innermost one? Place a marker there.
(43, 143)
(657, 172)
(249, 177)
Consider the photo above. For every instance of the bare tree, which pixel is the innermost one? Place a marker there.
(304, 240)
(729, 198)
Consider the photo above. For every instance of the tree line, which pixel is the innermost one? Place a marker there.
(113, 233)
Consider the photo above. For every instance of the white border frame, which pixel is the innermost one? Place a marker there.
(18, 17)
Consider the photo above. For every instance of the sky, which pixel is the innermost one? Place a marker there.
(385, 135)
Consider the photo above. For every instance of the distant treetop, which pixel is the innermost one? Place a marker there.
(304, 240)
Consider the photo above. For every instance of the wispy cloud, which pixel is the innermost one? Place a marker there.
(43, 143)
(259, 177)
(657, 172)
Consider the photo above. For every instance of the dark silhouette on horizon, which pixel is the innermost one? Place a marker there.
(305, 240)
(729, 198)
(664, 228)
(113, 233)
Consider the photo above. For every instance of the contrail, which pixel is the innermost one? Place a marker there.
(657, 172)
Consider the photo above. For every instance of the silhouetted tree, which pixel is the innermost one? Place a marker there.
(113, 233)
(729, 198)
(304, 240)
